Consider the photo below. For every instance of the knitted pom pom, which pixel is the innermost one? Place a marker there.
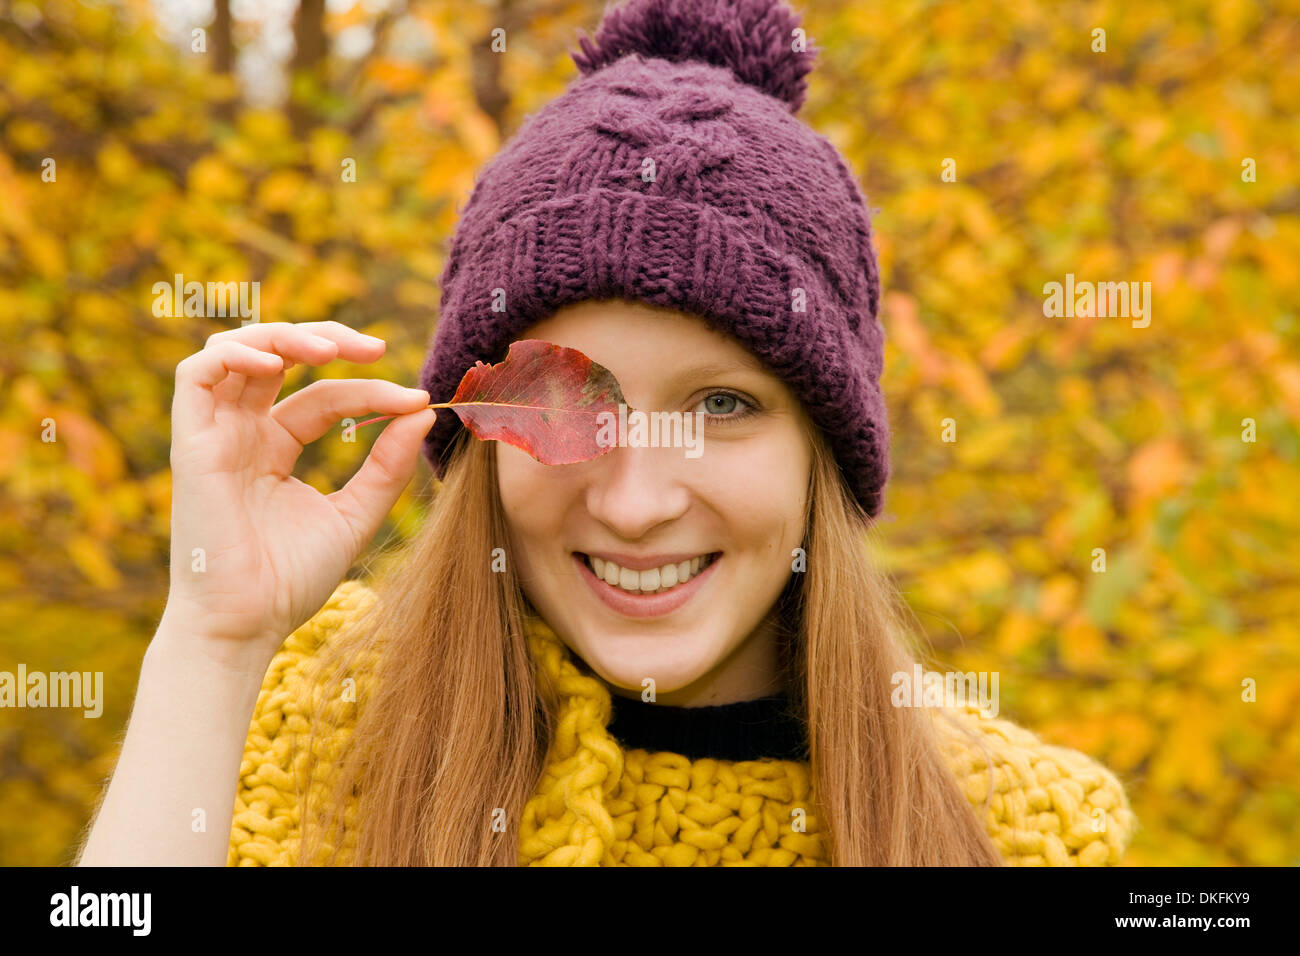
(755, 39)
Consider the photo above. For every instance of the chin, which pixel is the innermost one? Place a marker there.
(619, 662)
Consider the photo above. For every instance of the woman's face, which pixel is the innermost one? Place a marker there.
(738, 505)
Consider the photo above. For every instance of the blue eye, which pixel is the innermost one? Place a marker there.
(721, 412)
(714, 409)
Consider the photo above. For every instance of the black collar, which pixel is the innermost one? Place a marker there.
(746, 730)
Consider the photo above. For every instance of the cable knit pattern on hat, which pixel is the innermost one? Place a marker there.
(595, 804)
(674, 172)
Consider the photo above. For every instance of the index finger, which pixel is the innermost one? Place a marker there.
(353, 346)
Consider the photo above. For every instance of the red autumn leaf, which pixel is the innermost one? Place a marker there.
(543, 398)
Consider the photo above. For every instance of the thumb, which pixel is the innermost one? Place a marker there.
(364, 502)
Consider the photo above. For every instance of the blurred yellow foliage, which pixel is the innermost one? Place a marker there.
(1113, 529)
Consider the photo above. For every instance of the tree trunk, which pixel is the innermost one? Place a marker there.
(307, 64)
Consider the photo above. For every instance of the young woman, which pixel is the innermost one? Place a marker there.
(647, 658)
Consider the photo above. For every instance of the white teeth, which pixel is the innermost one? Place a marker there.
(653, 581)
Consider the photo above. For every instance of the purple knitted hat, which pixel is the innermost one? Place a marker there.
(751, 220)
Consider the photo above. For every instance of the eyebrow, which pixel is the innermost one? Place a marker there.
(714, 369)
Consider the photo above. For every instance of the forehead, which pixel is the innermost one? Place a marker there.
(636, 335)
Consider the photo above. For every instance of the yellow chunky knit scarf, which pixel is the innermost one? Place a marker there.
(597, 804)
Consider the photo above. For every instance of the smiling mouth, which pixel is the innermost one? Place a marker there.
(654, 581)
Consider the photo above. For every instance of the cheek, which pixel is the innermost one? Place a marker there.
(509, 485)
(513, 485)
(530, 503)
(760, 491)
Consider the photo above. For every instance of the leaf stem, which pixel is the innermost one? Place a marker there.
(383, 418)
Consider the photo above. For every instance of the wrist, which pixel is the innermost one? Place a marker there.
(183, 639)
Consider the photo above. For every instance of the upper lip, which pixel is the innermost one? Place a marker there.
(646, 563)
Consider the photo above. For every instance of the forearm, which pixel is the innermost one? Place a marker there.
(172, 793)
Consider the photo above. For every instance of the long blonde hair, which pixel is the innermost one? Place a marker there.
(455, 729)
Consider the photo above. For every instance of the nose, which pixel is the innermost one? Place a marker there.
(637, 490)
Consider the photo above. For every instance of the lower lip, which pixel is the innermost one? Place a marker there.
(644, 605)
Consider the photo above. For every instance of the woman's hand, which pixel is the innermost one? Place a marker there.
(254, 551)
